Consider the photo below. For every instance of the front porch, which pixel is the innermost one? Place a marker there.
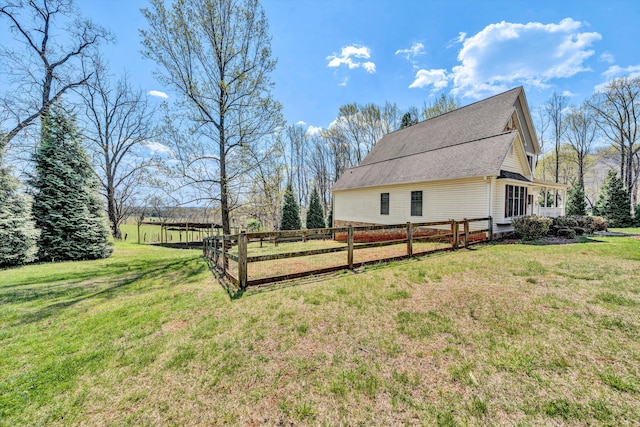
(549, 199)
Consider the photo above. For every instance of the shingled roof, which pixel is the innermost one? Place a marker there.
(466, 142)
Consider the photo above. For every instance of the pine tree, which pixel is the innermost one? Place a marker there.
(290, 211)
(576, 203)
(18, 233)
(613, 202)
(67, 205)
(315, 216)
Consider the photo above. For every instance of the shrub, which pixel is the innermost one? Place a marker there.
(531, 227)
(562, 222)
(567, 233)
(591, 224)
(254, 225)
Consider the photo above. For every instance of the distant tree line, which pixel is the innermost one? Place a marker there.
(582, 143)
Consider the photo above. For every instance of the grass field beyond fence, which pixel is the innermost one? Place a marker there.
(500, 335)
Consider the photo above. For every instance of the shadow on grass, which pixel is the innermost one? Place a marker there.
(560, 241)
(162, 275)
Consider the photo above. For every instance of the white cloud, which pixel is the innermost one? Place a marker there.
(301, 123)
(157, 148)
(369, 66)
(344, 81)
(618, 72)
(350, 56)
(568, 94)
(436, 78)
(606, 57)
(506, 54)
(158, 94)
(314, 130)
(415, 50)
(615, 71)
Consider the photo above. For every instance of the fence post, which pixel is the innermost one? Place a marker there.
(454, 232)
(490, 229)
(242, 259)
(216, 253)
(225, 260)
(409, 239)
(350, 246)
(466, 233)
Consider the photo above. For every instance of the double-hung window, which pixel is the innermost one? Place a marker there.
(515, 201)
(416, 203)
(384, 203)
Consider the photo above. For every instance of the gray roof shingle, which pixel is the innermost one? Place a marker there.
(466, 142)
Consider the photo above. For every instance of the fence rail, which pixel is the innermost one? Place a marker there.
(250, 259)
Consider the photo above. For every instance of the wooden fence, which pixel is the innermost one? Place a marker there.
(250, 259)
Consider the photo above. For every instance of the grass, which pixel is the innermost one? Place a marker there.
(150, 233)
(501, 335)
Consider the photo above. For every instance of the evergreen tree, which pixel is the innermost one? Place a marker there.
(637, 217)
(613, 202)
(407, 120)
(315, 216)
(18, 233)
(67, 205)
(330, 216)
(290, 211)
(576, 203)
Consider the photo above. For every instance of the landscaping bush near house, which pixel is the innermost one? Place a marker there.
(578, 224)
(567, 233)
(591, 224)
(562, 225)
(531, 227)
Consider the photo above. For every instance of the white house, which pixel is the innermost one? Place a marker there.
(473, 162)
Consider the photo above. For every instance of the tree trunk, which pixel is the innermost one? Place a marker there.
(224, 189)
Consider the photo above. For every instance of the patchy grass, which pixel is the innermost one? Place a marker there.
(504, 334)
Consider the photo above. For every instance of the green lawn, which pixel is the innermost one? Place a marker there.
(502, 334)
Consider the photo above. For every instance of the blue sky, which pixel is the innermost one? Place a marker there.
(335, 52)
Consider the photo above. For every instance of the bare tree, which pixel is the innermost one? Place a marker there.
(216, 54)
(581, 132)
(54, 42)
(555, 111)
(615, 109)
(320, 169)
(391, 117)
(118, 121)
(297, 154)
(443, 104)
(542, 126)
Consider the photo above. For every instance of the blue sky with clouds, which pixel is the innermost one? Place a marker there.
(334, 52)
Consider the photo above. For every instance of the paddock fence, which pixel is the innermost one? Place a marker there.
(252, 259)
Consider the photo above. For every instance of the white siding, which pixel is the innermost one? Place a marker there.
(516, 160)
(442, 200)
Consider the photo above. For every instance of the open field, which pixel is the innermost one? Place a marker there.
(151, 234)
(502, 335)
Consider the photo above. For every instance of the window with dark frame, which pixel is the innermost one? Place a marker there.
(416, 203)
(384, 203)
(515, 201)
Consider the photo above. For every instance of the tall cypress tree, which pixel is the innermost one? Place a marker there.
(613, 202)
(576, 203)
(67, 206)
(315, 216)
(18, 233)
(290, 211)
